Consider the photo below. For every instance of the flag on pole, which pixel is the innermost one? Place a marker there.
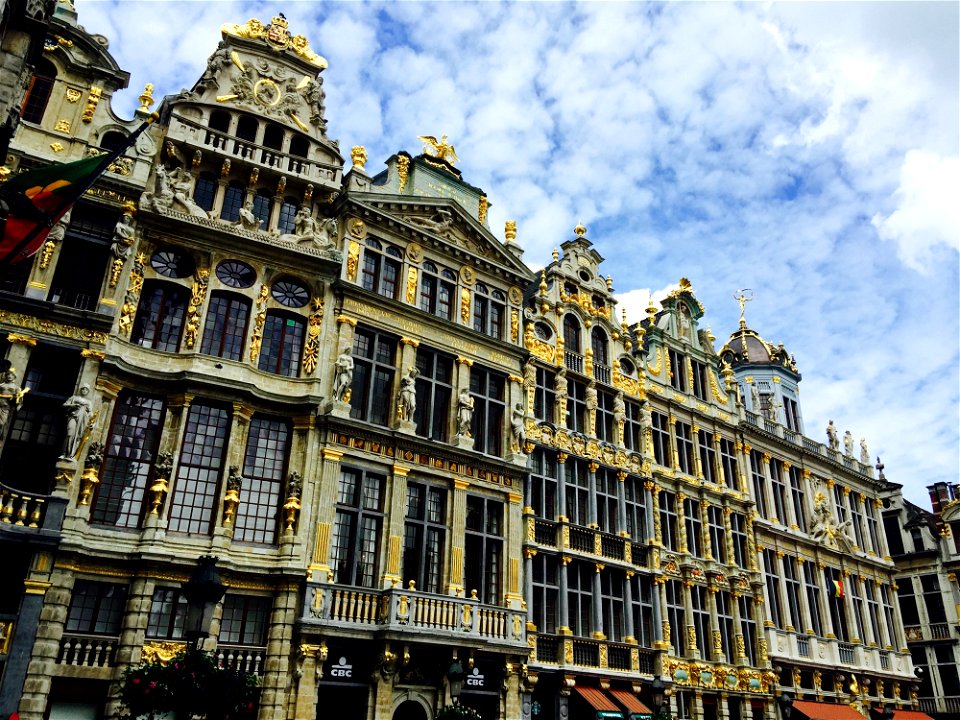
(838, 588)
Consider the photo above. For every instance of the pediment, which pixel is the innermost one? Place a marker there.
(446, 223)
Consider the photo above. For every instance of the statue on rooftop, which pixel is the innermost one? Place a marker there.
(848, 443)
(833, 441)
(440, 149)
(864, 452)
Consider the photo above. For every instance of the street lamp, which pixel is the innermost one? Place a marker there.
(659, 693)
(785, 701)
(455, 679)
(202, 591)
(888, 712)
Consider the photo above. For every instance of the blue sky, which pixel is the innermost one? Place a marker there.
(808, 151)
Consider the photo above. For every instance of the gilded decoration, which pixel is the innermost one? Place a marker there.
(465, 306)
(72, 95)
(256, 338)
(62, 126)
(92, 99)
(160, 651)
(358, 155)
(56, 147)
(585, 302)
(538, 348)
(277, 34)
(482, 208)
(440, 149)
(353, 260)
(197, 296)
(29, 322)
(403, 171)
(411, 285)
(311, 348)
(657, 364)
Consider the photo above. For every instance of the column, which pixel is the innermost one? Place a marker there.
(517, 412)
(622, 504)
(310, 659)
(563, 609)
(323, 512)
(562, 488)
(273, 697)
(528, 555)
(395, 505)
(664, 631)
(628, 607)
(592, 467)
(765, 461)
(681, 521)
(158, 494)
(743, 466)
(132, 633)
(341, 374)
(513, 537)
(705, 538)
(597, 607)
(651, 506)
(457, 529)
(228, 502)
(717, 648)
(728, 530)
(717, 465)
(738, 654)
(672, 425)
(695, 440)
(791, 519)
(693, 650)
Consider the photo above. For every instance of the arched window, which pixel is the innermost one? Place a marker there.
(299, 148)
(288, 216)
(220, 121)
(573, 350)
(272, 142)
(232, 202)
(437, 289)
(282, 343)
(263, 207)
(205, 191)
(489, 309)
(38, 93)
(601, 357)
(159, 320)
(226, 325)
(246, 135)
(112, 140)
(381, 268)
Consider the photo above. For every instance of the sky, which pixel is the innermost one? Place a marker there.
(807, 151)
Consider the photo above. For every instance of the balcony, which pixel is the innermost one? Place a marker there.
(931, 631)
(566, 651)
(803, 646)
(590, 541)
(601, 373)
(89, 651)
(241, 658)
(30, 513)
(950, 704)
(437, 618)
(847, 653)
(573, 361)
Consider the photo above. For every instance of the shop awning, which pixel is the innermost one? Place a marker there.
(826, 711)
(910, 715)
(637, 710)
(598, 701)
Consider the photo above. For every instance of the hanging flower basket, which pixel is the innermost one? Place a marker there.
(458, 712)
(190, 685)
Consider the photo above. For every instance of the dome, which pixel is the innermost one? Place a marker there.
(747, 347)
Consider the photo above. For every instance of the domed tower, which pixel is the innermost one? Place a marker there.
(768, 377)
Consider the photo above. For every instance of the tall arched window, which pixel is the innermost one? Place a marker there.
(159, 320)
(112, 140)
(263, 207)
(272, 143)
(205, 191)
(381, 268)
(38, 93)
(299, 147)
(226, 325)
(282, 343)
(573, 350)
(246, 135)
(218, 129)
(601, 355)
(232, 202)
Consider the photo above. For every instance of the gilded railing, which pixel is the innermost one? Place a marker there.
(20, 508)
(569, 651)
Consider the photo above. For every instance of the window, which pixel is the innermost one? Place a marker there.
(796, 493)
(128, 458)
(612, 604)
(891, 527)
(83, 259)
(718, 533)
(282, 344)
(580, 597)
(96, 607)
(194, 495)
(728, 463)
(247, 128)
(38, 92)
(232, 202)
(684, 448)
(172, 263)
(544, 396)
(380, 272)
(36, 436)
(852, 585)
(373, 374)
(792, 411)
(226, 325)
(577, 491)
(483, 549)
(601, 355)
(632, 427)
(661, 438)
(220, 120)
(487, 388)
(542, 484)
(437, 290)
(604, 424)
(835, 603)
(236, 274)
(676, 618)
(244, 620)
(699, 377)
(791, 581)
(489, 309)
(264, 470)
(263, 207)
(434, 394)
(288, 216)
(678, 371)
(636, 509)
(856, 517)
(424, 536)
(571, 343)
(738, 534)
(774, 588)
(748, 626)
(873, 528)
(546, 592)
(290, 293)
(708, 455)
(642, 597)
(668, 520)
(358, 528)
(168, 611)
(933, 599)
(725, 625)
(159, 320)
(779, 492)
(694, 526)
(701, 618)
(873, 610)
(947, 669)
(759, 482)
(607, 503)
(813, 598)
(577, 406)
(205, 191)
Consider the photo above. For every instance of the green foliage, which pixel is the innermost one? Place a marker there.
(458, 712)
(190, 685)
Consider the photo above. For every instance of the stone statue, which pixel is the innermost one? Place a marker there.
(11, 398)
(518, 426)
(826, 530)
(591, 397)
(833, 441)
(78, 409)
(529, 375)
(60, 228)
(441, 222)
(234, 479)
(219, 58)
(848, 443)
(343, 376)
(247, 220)
(464, 412)
(181, 184)
(169, 189)
(314, 96)
(124, 235)
(295, 485)
(407, 400)
(619, 408)
(864, 452)
(754, 398)
(772, 408)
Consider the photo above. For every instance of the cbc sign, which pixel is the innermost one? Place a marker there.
(341, 669)
(475, 679)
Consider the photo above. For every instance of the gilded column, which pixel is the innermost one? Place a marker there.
(674, 456)
(396, 503)
(457, 529)
(655, 528)
(695, 438)
(171, 441)
(705, 538)
(592, 494)
(682, 521)
(324, 512)
(717, 465)
(765, 461)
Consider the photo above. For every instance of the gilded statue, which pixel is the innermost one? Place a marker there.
(440, 149)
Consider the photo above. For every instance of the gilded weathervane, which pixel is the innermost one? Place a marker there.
(439, 149)
(743, 297)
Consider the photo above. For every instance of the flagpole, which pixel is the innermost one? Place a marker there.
(85, 185)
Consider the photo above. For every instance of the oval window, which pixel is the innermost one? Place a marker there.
(236, 274)
(172, 264)
(290, 293)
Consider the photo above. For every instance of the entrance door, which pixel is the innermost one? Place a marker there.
(410, 710)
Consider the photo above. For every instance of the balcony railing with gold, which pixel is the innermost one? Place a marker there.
(30, 512)
(443, 616)
(566, 651)
(589, 541)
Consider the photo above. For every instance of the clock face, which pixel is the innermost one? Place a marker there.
(266, 92)
(542, 331)
(528, 313)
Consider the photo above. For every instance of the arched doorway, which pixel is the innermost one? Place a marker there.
(410, 710)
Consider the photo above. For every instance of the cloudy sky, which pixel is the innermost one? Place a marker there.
(807, 151)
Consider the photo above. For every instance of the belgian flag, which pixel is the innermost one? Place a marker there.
(31, 203)
(838, 588)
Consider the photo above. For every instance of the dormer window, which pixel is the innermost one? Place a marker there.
(569, 288)
(38, 94)
(437, 289)
(678, 371)
(489, 309)
(381, 268)
(627, 368)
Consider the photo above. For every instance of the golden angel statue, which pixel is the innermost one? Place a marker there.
(438, 148)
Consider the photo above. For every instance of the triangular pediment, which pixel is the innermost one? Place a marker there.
(445, 224)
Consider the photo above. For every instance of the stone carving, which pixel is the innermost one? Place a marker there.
(441, 222)
(78, 409)
(407, 398)
(307, 229)
(11, 397)
(247, 220)
(464, 412)
(848, 444)
(833, 441)
(826, 530)
(124, 235)
(754, 399)
(172, 189)
(518, 427)
(218, 59)
(343, 376)
(864, 452)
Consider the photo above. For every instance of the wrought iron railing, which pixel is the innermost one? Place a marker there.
(847, 653)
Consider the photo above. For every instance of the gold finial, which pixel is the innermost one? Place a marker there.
(623, 323)
(580, 230)
(556, 255)
(510, 230)
(743, 297)
(146, 99)
(651, 312)
(482, 206)
(685, 285)
(129, 208)
(440, 149)
(403, 170)
(710, 335)
(543, 283)
(358, 153)
(610, 283)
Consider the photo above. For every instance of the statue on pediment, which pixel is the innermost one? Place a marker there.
(217, 60)
(441, 222)
(826, 530)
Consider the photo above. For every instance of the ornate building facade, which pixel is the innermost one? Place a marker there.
(406, 449)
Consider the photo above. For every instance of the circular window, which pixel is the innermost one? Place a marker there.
(626, 367)
(172, 264)
(542, 331)
(236, 274)
(585, 276)
(290, 293)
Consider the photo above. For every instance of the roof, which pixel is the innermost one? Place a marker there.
(827, 711)
(597, 699)
(632, 705)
